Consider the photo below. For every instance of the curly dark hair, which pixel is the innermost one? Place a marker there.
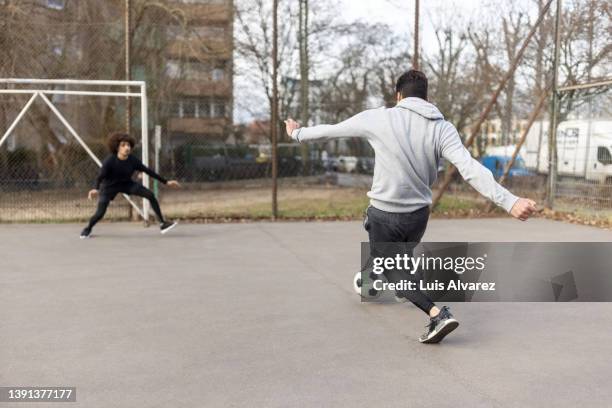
(115, 139)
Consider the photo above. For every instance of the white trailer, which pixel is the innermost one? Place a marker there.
(584, 149)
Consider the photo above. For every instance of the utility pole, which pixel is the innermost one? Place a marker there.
(415, 56)
(304, 78)
(128, 49)
(274, 113)
(552, 129)
(128, 102)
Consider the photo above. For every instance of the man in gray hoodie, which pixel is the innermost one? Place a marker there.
(408, 141)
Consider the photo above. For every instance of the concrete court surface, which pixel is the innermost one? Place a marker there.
(263, 315)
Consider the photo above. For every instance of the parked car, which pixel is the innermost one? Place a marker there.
(344, 164)
(497, 164)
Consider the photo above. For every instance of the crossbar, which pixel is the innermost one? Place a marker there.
(70, 82)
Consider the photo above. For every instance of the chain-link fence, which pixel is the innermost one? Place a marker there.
(583, 181)
(44, 172)
(206, 65)
(584, 151)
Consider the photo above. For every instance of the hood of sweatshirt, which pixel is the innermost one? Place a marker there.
(421, 107)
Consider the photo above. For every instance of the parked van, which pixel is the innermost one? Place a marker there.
(584, 149)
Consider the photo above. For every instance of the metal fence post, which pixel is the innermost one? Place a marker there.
(156, 153)
(552, 130)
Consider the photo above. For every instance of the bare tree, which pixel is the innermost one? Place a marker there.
(513, 29)
(460, 70)
(586, 52)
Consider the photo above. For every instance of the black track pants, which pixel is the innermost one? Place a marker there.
(384, 226)
(108, 194)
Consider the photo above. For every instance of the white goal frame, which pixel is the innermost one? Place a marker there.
(44, 87)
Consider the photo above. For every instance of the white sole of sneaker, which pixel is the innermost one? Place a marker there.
(169, 228)
(439, 334)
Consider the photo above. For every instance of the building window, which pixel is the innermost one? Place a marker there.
(176, 109)
(218, 74)
(12, 143)
(218, 109)
(56, 4)
(189, 108)
(195, 70)
(56, 43)
(173, 69)
(139, 72)
(187, 70)
(204, 108)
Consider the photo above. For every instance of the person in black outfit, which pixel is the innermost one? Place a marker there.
(116, 177)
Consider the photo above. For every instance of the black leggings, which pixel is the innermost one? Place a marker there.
(108, 194)
(386, 227)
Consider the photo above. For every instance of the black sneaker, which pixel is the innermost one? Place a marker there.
(166, 226)
(86, 233)
(439, 327)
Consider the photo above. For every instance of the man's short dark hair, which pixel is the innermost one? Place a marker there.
(412, 83)
(115, 139)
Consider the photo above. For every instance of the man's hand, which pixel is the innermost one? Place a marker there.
(92, 194)
(523, 208)
(291, 126)
(173, 183)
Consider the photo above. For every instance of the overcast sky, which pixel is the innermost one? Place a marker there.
(399, 14)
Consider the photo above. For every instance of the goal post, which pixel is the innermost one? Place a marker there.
(41, 88)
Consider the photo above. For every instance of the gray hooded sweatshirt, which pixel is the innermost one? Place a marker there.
(408, 141)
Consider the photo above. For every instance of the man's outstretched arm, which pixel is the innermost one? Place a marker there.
(355, 126)
(141, 167)
(479, 177)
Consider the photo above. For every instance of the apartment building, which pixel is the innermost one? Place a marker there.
(199, 64)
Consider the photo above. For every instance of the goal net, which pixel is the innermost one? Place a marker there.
(52, 143)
